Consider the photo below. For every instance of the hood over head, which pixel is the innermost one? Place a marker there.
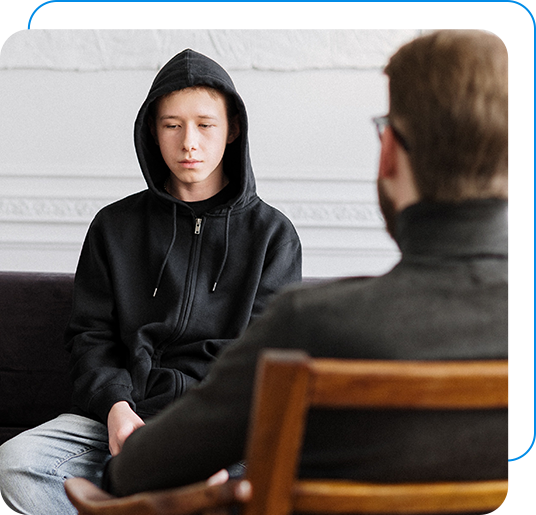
(187, 69)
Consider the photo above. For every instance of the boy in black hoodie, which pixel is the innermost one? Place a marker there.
(167, 277)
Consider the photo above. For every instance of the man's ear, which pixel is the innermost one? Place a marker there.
(388, 155)
(395, 172)
(234, 129)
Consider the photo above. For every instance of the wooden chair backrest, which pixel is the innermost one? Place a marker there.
(290, 382)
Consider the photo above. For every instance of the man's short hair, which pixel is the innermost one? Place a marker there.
(449, 100)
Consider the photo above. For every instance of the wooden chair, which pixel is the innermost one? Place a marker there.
(288, 384)
(88, 499)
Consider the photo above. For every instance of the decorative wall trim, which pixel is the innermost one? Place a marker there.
(319, 214)
(69, 210)
(48, 209)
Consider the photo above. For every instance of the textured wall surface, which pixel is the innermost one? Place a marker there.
(274, 50)
(68, 100)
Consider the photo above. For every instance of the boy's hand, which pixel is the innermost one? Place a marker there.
(122, 422)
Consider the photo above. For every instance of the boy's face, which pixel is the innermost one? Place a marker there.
(192, 131)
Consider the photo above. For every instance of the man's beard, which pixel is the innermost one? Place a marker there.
(387, 208)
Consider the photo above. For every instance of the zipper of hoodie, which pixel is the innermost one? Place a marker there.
(198, 222)
(191, 280)
(189, 287)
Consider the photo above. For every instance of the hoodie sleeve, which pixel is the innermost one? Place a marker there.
(98, 358)
(282, 267)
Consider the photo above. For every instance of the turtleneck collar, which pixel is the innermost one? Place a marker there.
(469, 228)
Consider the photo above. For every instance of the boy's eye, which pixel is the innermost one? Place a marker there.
(205, 125)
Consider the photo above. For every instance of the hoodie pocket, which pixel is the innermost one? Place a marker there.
(161, 390)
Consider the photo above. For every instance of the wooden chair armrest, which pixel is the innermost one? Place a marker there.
(79, 488)
(88, 499)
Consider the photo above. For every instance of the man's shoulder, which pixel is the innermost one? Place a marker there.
(334, 284)
(327, 291)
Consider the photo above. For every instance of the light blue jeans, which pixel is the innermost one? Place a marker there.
(34, 464)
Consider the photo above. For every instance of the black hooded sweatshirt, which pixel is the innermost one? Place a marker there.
(159, 290)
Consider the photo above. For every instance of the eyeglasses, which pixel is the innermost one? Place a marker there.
(381, 123)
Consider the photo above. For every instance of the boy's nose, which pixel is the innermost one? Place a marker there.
(189, 142)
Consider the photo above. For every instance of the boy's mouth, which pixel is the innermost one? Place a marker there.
(189, 162)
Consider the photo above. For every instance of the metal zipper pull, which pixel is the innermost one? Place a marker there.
(198, 225)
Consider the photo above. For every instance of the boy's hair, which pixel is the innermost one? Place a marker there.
(230, 104)
(449, 100)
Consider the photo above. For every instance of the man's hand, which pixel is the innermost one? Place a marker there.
(122, 422)
(219, 478)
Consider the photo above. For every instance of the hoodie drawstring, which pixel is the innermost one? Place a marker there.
(170, 248)
(227, 220)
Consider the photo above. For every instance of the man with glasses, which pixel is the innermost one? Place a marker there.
(442, 185)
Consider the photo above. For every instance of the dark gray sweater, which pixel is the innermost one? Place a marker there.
(446, 299)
